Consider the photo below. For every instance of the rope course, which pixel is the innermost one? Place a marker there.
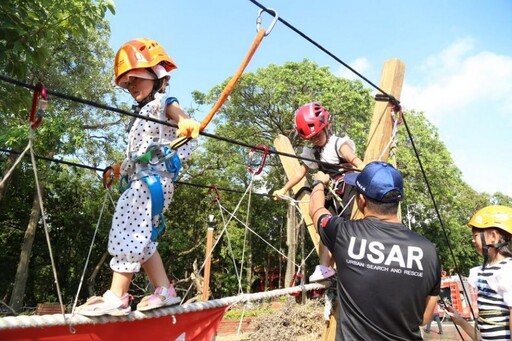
(31, 321)
(255, 167)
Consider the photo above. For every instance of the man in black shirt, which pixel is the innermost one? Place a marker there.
(388, 277)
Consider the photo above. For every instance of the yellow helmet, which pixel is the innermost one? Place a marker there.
(493, 216)
(141, 53)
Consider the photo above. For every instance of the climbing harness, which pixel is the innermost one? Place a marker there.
(156, 153)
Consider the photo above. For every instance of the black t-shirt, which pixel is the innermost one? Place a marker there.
(385, 274)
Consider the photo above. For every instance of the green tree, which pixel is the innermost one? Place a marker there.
(64, 45)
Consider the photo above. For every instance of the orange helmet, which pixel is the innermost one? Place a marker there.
(141, 53)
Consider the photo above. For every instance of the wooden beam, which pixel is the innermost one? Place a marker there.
(381, 128)
(291, 165)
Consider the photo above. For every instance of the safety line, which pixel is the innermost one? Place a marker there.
(78, 165)
(128, 113)
(290, 26)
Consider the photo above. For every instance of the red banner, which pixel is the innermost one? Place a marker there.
(194, 326)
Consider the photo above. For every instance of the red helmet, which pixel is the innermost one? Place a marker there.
(311, 119)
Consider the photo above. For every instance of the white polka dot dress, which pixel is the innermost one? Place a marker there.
(130, 236)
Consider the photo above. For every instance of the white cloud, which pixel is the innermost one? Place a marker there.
(361, 65)
(467, 94)
(456, 80)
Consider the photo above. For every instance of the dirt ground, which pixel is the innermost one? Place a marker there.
(288, 322)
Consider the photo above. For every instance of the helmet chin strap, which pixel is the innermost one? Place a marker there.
(485, 249)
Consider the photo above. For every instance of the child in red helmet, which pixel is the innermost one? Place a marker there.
(335, 156)
(150, 168)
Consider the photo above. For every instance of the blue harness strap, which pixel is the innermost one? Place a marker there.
(157, 203)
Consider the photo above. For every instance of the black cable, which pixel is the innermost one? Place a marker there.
(11, 151)
(124, 112)
(290, 26)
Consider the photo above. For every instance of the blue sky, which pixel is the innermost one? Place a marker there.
(458, 57)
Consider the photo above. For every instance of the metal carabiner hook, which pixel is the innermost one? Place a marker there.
(262, 148)
(258, 20)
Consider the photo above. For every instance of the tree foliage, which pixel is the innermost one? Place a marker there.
(64, 45)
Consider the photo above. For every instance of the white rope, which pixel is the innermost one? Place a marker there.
(239, 275)
(90, 251)
(43, 217)
(18, 160)
(263, 239)
(33, 321)
(218, 240)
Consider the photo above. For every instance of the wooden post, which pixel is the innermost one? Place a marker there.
(291, 165)
(380, 134)
(391, 82)
(208, 259)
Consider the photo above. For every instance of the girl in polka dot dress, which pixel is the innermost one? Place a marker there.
(142, 67)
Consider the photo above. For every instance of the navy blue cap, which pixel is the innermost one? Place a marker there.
(376, 180)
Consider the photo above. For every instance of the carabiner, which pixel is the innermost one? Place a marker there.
(263, 148)
(39, 103)
(258, 20)
(108, 177)
(213, 198)
(109, 174)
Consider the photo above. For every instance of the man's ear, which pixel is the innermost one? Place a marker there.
(361, 202)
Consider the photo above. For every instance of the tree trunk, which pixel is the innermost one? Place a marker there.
(291, 241)
(20, 281)
(91, 281)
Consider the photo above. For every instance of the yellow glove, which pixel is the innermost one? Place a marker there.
(321, 177)
(188, 127)
(277, 194)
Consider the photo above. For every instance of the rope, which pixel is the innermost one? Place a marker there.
(18, 160)
(43, 217)
(232, 82)
(124, 112)
(78, 165)
(34, 321)
(107, 193)
(246, 230)
(218, 240)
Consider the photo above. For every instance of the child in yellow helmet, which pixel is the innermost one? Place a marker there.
(142, 67)
(492, 235)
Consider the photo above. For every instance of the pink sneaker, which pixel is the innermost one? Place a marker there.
(108, 304)
(162, 297)
(321, 273)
